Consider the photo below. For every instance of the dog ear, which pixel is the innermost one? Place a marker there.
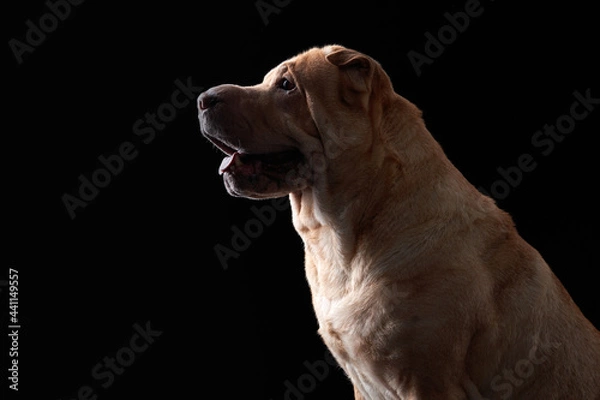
(358, 67)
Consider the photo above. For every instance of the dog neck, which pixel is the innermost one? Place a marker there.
(341, 229)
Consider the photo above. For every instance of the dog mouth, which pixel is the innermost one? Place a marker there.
(260, 164)
(274, 164)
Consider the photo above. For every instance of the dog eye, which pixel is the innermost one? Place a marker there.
(286, 84)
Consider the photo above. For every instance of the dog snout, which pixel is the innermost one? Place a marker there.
(219, 94)
(208, 99)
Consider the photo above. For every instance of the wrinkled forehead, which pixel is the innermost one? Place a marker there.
(277, 72)
(304, 62)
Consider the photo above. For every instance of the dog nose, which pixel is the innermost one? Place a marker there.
(207, 100)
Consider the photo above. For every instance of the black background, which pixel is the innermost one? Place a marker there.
(142, 250)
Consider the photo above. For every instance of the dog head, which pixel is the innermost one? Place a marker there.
(311, 116)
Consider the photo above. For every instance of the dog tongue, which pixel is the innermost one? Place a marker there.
(235, 161)
(226, 163)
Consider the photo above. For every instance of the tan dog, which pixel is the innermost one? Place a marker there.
(422, 287)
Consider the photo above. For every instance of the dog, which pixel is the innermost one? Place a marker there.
(421, 285)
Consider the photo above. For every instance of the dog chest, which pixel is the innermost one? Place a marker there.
(359, 340)
(354, 326)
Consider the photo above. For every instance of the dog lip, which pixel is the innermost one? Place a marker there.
(251, 163)
(274, 158)
(225, 148)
